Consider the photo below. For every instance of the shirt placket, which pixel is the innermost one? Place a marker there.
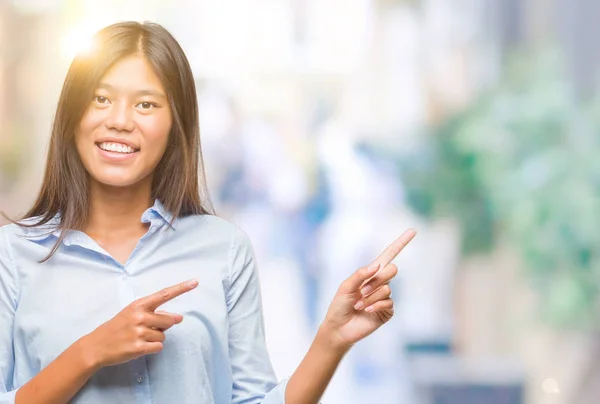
(127, 295)
(141, 382)
(138, 366)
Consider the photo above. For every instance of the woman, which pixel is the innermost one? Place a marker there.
(83, 278)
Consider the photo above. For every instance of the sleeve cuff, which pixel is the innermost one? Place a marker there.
(8, 397)
(276, 395)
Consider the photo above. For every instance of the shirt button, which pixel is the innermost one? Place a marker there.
(140, 379)
(124, 276)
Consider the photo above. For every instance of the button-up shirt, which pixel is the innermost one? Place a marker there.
(217, 355)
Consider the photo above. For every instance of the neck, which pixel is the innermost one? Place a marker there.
(116, 211)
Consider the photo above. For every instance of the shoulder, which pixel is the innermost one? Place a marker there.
(222, 237)
(10, 231)
(216, 228)
(13, 231)
(31, 226)
(3, 236)
(7, 262)
(13, 237)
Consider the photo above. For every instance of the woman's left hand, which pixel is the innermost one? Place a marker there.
(362, 303)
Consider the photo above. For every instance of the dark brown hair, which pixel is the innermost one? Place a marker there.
(65, 188)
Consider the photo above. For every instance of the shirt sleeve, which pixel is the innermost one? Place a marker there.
(254, 380)
(8, 306)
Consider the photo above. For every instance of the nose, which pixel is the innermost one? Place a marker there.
(120, 118)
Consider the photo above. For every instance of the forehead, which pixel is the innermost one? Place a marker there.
(132, 73)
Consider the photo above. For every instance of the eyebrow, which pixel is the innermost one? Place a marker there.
(108, 87)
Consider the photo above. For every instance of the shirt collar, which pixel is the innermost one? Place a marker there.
(156, 215)
(158, 211)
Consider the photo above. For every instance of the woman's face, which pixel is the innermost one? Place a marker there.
(124, 132)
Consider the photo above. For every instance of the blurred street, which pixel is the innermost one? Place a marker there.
(329, 127)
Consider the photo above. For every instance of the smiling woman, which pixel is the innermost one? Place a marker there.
(128, 122)
(123, 213)
(133, 87)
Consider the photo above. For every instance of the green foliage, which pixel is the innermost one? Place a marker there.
(523, 163)
(12, 155)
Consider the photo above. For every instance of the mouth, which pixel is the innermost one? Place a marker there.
(116, 148)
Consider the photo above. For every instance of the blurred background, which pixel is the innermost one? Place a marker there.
(330, 126)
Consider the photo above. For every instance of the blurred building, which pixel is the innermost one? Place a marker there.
(305, 108)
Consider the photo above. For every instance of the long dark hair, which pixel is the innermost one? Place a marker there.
(65, 188)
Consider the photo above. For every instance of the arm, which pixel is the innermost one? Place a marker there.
(60, 380)
(135, 331)
(311, 378)
(253, 378)
(251, 368)
(346, 323)
(8, 293)
(361, 305)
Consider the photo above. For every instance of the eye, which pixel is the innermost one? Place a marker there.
(147, 105)
(100, 99)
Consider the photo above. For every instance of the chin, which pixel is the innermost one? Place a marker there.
(117, 181)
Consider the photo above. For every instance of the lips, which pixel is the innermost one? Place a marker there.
(112, 143)
(116, 152)
(115, 147)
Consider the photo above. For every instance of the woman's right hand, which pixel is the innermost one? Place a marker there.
(135, 331)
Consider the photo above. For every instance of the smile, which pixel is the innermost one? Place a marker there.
(116, 147)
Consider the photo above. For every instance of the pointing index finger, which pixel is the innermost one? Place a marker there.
(394, 249)
(358, 278)
(153, 301)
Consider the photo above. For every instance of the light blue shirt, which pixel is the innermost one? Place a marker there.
(217, 355)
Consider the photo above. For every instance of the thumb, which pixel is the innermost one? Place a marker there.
(356, 280)
(177, 317)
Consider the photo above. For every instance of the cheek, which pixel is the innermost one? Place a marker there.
(156, 135)
(90, 121)
(84, 132)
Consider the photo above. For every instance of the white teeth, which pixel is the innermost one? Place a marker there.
(116, 147)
